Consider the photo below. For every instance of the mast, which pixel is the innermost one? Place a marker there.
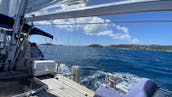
(17, 28)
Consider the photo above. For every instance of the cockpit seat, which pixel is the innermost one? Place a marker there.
(143, 88)
(104, 92)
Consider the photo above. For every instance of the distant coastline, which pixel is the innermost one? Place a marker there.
(128, 47)
(95, 46)
(136, 47)
(48, 44)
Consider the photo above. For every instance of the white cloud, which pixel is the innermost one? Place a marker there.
(113, 31)
(134, 41)
(104, 33)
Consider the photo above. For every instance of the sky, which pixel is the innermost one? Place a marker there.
(107, 34)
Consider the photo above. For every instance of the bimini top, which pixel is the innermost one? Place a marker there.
(8, 22)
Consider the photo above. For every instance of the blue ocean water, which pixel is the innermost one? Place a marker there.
(155, 65)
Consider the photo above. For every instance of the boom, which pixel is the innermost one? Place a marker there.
(110, 8)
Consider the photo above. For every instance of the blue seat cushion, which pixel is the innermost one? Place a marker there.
(103, 92)
(144, 88)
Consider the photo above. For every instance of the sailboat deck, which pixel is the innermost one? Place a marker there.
(61, 86)
(16, 87)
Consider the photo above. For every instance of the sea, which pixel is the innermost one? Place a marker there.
(155, 65)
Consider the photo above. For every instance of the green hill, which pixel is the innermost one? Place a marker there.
(95, 46)
(143, 47)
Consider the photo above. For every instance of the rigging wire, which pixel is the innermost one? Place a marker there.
(56, 41)
(47, 46)
(112, 22)
(46, 43)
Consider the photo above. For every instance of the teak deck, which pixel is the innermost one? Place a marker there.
(61, 86)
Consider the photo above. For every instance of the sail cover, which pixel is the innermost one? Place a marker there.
(8, 22)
